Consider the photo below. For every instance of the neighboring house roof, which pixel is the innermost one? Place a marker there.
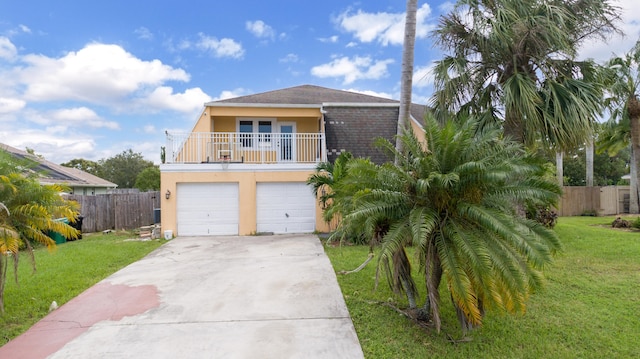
(352, 120)
(51, 173)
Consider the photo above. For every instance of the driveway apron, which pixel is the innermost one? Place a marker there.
(205, 297)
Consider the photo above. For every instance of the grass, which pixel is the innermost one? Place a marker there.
(588, 309)
(63, 274)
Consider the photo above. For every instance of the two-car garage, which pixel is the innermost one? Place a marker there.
(205, 209)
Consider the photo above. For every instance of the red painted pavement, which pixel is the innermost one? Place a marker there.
(104, 301)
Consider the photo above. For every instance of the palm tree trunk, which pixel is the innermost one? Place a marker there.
(433, 274)
(406, 78)
(633, 108)
(589, 161)
(513, 126)
(402, 277)
(633, 185)
(560, 168)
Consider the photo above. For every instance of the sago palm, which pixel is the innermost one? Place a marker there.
(453, 200)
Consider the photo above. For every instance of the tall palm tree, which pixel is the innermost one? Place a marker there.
(624, 103)
(513, 62)
(453, 201)
(406, 79)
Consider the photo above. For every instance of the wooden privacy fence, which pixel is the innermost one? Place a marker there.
(116, 210)
(603, 201)
(579, 200)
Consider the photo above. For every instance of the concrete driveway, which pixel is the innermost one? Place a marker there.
(205, 297)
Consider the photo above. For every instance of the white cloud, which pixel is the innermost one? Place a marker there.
(9, 105)
(352, 69)
(227, 94)
(220, 48)
(371, 93)
(83, 116)
(332, 39)
(163, 98)
(423, 76)
(260, 30)
(8, 50)
(446, 7)
(143, 33)
(98, 73)
(383, 27)
(616, 45)
(25, 29)
(289, 58)
(50, 144)
(149, 129)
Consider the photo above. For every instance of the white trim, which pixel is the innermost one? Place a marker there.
(266, 105)
(360, 104)
(236, 167)
(255, 120)
(292, 142)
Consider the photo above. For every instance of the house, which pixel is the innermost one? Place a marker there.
(79, 182)
(243, 168)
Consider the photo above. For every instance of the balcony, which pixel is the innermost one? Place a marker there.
(247, 148)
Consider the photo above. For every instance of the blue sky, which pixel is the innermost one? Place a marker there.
(90, 79)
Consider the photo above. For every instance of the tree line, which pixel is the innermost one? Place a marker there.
(127, 169)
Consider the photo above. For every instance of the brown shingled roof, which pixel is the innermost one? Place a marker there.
(352, 120)
(304, 95)
(51, 173)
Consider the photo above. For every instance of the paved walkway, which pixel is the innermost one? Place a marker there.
(205, 297)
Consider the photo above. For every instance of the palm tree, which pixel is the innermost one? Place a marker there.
(624, 103)
(452, 200)
(406, 80)
(29, 210)
(513, 62)
(337, 188)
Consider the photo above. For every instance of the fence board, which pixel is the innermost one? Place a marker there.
(578, 200)
(116, 210)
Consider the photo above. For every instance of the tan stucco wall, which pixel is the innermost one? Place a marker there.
(313, 112)
(247, 192)
(229, 124)
(225, 118)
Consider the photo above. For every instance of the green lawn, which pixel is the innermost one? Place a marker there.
(590, 307)
(62, 275)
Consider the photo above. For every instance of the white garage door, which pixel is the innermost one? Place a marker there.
(285, 208)
(206, 209)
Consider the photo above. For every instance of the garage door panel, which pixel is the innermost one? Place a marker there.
(207, 209)
(285, 208)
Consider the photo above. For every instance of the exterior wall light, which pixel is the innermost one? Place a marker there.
(167, 195)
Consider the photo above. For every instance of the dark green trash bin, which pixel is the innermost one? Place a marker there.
(57, 237)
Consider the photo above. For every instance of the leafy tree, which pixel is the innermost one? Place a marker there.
(607, 169)
(148, 179)
(29, 210)
(88, 166)
(123, 169)
(624, 103)
(513, 62)
(453, 201)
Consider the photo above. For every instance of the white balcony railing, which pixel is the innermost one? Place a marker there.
(235, 147)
